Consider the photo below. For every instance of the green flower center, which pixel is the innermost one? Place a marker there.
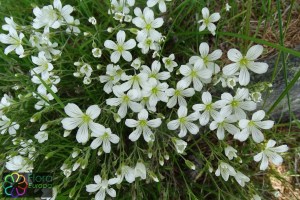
(143, 123)
(193, 74)
(105, 136)
(86, 118)
(208, 106)
(168, 62)
(120, 48)
(126, 99)
(182, 120)
(234, 103)
(148, 42)
(148, 27)
(154, 90)
(244, 61)
(177, 92)
(206, 21)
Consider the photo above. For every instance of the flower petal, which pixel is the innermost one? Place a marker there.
(93, 111)
(73, 110)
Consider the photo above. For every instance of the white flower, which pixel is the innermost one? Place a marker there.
(104, 136)
(125, 172)
(97, 53)
(169, 62)
(10, 24)
(253, 127)
(154, 71)
(42, 101)
(227, 7)
(208, 107)
(156, 92)
(120, 48)
(184, 122)
(73, 27)
(147, 23)
(45, 17)
(196, 75)
(113, 76)
(206, 59)
(119, 7)
(178, 94)
(124, 101)
(238, 103)
(256, 96)
(136, 63)
(244, 63)
(256, 197)
(5, 101)
(161, 4)
(67, 170)
(14, 40)
(230, 152)
(102, 186)
(7, 125)
(146, 43)
(86, 69)
(208, 21)
(82, 120)
(44, 66)
(179, 144)
(63, 12)
(142, 126)
(49, 18)
(225, 170)
(270, 153)
(223, 122)
(140, 170)
(93, 20)
(135, 82)
(19, 163)
(42, 135)
(241, 178)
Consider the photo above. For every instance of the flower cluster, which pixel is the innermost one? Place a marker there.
(158, 97)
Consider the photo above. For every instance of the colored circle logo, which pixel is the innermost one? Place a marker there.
(15, 185)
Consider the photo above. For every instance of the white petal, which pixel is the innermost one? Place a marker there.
(113, 101)
(127, 56)
(121, 37)
(114, 138)
(220, 133)
(115, 57)
(71, 123)
(73, 110)
(244, 77)
(154, 123)
(254, 52)
(185, 70)
(82, 135)
(243, 123)
(214, 17)
(172, 102)
(122, 111)
(258, 115)
(111, 192)
(234, 55)
(215, 55)
(193, 129)
(206, 98)
(93, 111)
(205, 12)
(265, 124)
(264, 163)
(130, 44)
(258, 157)
(96, 128)
(230, 69)
(258, 67)
(280, 149)
(135, 135)
(106, 146)
(204, 49)
(182, 111)
(231, 128)
(131, 123)
(242, 136)
(204, 118)
(110, 45)
(173, 125)
(96, 143)
(257, 135)
(100, 194)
